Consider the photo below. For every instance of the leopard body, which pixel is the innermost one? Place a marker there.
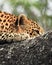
(18, 27)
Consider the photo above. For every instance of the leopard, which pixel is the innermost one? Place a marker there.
(18, 28)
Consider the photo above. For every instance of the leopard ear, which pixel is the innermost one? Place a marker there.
(21, 19)
(22, 15)
(16, 23)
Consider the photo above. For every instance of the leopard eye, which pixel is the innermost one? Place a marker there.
(21, 21)
(35, 31)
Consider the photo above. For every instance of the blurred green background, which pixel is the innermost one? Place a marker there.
(38, 10)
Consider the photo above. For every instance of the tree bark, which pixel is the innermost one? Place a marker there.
(37, 51)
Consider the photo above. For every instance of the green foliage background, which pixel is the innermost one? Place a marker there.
(41, 5)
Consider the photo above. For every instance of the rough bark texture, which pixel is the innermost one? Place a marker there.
(36, 51)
